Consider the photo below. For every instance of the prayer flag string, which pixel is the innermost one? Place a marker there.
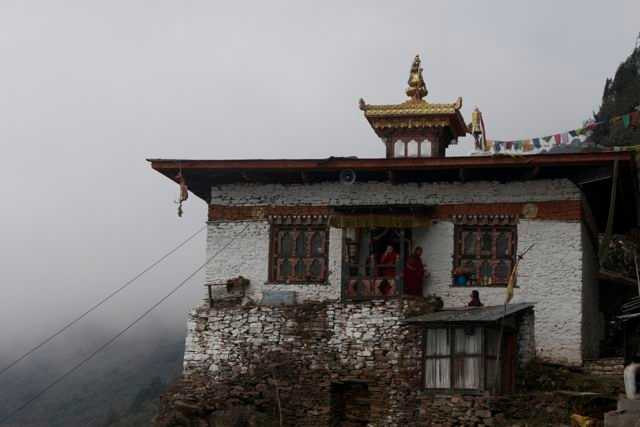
(575, 136)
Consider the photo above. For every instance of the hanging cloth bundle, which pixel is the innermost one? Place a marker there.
(184, 191)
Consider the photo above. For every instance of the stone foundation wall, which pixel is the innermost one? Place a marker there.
(526, 338)
(445, 410)
(297, 357)
(306, 349)
(606, 367)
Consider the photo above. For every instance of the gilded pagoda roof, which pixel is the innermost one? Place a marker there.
(415, 112)
(411, 107)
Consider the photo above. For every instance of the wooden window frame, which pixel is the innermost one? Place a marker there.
(275, 258)
(459, 256)
(484, 356)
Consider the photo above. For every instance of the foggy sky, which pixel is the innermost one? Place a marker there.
(90, 89)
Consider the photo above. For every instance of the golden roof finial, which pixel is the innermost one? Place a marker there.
(417, 88)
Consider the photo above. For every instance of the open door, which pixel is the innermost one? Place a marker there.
(509, 363)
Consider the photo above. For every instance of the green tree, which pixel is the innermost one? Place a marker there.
(621, 95)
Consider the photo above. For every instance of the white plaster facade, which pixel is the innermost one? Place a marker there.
(550, 276)
(557, 274)
(248, 256)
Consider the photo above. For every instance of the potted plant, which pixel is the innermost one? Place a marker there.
(237, 285)
(461, 276)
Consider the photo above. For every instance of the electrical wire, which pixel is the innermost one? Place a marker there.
(122, 332)
(99, 303)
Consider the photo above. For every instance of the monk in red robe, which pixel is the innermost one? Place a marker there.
(388, 262)
(414, 273)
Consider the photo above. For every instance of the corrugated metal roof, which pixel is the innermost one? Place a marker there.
(471, 314)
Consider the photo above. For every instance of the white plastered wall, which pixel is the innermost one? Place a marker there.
(248, 255)
(550, 276)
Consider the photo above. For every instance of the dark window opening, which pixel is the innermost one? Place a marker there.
(374, 260)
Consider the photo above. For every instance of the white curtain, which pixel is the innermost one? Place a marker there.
(468, 340)
(437, 370)
(467, 369)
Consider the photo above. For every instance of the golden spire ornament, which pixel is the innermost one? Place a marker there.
(417, 88)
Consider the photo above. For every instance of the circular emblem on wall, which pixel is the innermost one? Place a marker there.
(530, 210)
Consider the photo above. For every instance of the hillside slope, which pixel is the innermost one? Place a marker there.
(119, 388)
(621, 95)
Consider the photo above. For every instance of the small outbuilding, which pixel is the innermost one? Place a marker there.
(476, 349)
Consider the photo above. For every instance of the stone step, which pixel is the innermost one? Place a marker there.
(609, 367)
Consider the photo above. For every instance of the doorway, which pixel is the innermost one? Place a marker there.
(350, 404)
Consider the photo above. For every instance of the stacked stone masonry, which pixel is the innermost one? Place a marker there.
(308, 348)
(606, 367)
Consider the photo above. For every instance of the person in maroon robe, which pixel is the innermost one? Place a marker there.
(414, 273)
(388, 262)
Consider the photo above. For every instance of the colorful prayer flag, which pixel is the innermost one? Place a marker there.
(573, 133)
(536, 142)
(547, 138)
(564, 138)
(626, 120)
(527, 145)
(558, 138)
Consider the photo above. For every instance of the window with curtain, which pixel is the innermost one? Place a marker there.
(460, 358)
(438, 359)
(299, 253)
(486, 252)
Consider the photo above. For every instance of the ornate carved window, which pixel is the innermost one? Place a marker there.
(299, 250)
(485, 249)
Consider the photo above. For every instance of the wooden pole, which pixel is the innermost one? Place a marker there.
(604, 247)
(499, 350)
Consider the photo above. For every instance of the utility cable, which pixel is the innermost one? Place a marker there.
(99, 303)
(123, 331)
